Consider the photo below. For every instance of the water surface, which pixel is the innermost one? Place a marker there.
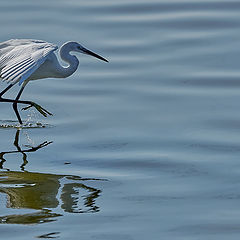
(144, 147)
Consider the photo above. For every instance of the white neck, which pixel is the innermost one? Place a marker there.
(68, 58)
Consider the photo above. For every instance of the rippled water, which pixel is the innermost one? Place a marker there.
(144, 147)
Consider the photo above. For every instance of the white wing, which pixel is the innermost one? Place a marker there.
(19, 58)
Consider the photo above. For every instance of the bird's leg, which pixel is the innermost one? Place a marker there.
(43, 111)
(16, 102)
(5, 90)
(8, 100)
(40, 109)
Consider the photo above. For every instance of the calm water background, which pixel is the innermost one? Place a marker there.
(145, 147)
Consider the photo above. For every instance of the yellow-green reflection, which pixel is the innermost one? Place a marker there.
(43, 192)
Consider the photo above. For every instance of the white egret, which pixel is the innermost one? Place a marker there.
(23, 60)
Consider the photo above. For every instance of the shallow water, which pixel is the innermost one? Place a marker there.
(144, 147)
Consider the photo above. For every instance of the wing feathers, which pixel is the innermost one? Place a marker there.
(15, 76)
(19, 58)
(14, 67)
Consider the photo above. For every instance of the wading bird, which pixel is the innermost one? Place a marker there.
(23, 60)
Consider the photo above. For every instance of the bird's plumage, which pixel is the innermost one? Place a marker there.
(20, 58)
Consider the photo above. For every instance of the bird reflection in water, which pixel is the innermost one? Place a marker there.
(43, 192)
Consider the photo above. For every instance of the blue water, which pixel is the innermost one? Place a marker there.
(146, 146)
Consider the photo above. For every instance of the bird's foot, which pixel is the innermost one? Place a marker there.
(40, 109)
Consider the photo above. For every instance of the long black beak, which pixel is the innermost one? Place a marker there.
(86, 51)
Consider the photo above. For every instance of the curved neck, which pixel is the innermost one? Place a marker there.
(68, 58)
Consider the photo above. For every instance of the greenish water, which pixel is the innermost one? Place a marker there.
(144, 147)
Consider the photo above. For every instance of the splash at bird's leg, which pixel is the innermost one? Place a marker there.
(40, 109)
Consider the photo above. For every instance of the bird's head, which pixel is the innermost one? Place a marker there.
(79, 48)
